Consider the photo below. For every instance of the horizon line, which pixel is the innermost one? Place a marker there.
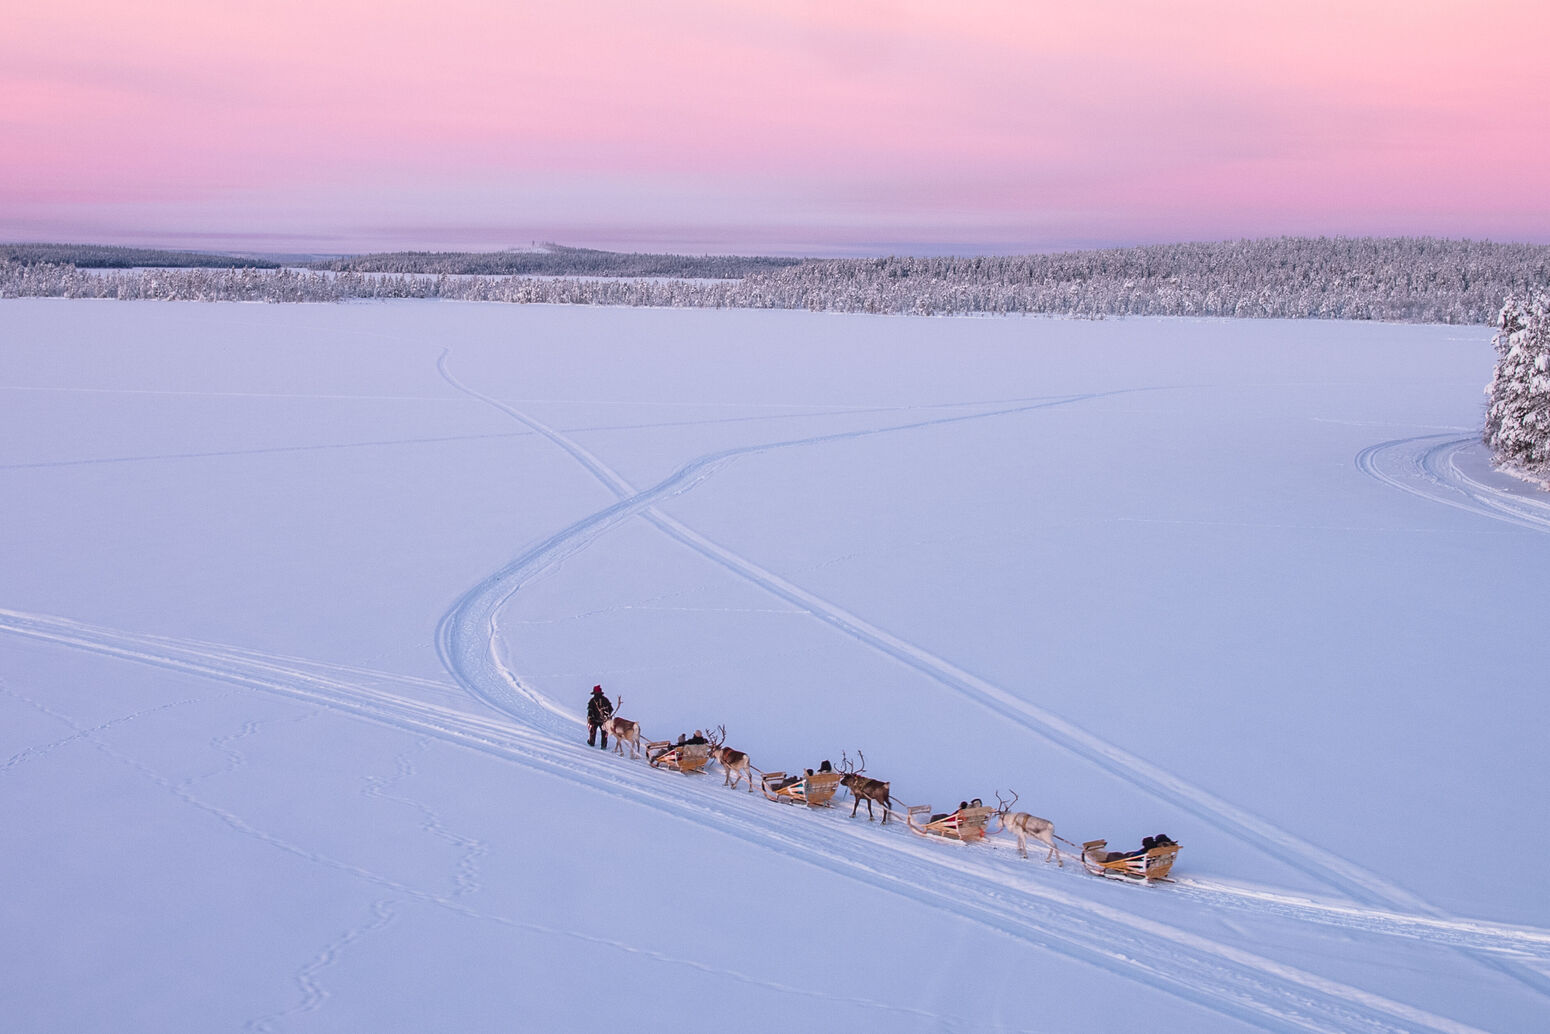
(858, 249)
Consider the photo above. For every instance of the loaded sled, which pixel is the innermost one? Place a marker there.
(680, 757)
(965, 825)
(1145, 865)
(815, 790)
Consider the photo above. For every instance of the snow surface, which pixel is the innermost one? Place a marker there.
(299, 606)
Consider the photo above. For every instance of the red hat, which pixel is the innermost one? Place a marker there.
(597, 689)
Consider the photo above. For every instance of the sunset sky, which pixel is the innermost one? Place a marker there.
(834, 127)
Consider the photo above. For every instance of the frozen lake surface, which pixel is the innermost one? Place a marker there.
(299, 606)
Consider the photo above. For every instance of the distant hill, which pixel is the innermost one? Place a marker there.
(107, 256)
(558, 260)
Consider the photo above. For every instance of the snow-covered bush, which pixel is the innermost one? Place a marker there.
(1517, 419)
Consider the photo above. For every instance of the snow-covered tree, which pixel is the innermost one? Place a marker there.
(1517, 419)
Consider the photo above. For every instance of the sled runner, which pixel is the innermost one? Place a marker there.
(815, 791)
(684, 757)
(965, 824)
(1152, 864)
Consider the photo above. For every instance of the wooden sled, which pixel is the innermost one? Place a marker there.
(965, 825)
(684, 757)
(1138, 865)
(815, 791)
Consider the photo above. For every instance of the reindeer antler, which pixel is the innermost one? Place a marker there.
(718, 736)
(851, 769)
(1006, 806)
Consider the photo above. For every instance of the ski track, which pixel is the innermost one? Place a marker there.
(327, 446)
(1511, 941)
(469, 643)
(972, 884)
(223, 453)
(493, 737)
(170, 393)
(1429, 466)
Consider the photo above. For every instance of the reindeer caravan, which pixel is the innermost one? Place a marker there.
(971, 822)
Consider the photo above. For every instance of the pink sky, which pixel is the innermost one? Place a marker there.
(798, 126)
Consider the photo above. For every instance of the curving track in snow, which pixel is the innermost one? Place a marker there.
(1456, 472)
(992, 888)
(470, 644)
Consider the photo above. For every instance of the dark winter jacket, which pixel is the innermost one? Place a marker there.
(599, 710)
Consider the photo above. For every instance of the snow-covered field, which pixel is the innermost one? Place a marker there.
(299, 606)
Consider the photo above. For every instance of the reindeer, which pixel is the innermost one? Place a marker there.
(863, 788)
(623, 731)
(735, 762)
(1027, 826)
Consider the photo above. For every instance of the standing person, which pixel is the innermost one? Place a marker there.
(599, 710)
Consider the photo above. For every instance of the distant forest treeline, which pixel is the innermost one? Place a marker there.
(106, 256)
(558, 260)
(1410, 279)
(1396, 279)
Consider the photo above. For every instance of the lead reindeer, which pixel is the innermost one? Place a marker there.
(734, 762)
(863, 788)
(623, 731)
(1027, 827)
